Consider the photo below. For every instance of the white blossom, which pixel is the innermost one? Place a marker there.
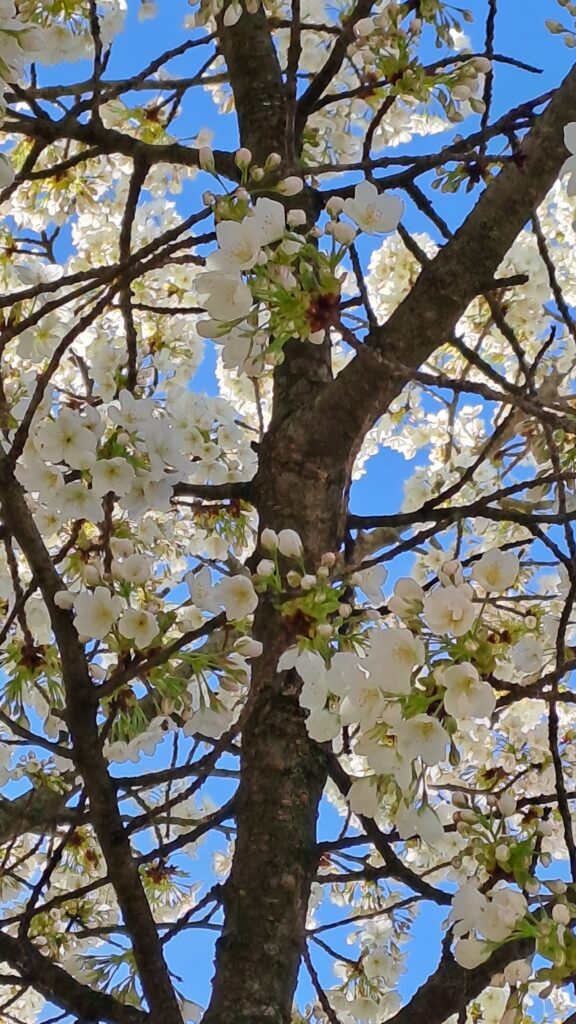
(237, 596)
(496, 571)
(449, 610)
(95, 613)
(374, 213)
(139, 625)
(393, 656)
(422, 736)
(467, 696)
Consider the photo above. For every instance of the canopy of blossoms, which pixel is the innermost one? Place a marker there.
(230, 706)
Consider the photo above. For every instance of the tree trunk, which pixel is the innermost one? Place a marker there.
(283, 771)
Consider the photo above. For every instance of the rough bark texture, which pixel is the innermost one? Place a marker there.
(283, 771)
(266, 898)
(283, 774)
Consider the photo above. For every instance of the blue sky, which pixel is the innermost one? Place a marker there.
(520, 32)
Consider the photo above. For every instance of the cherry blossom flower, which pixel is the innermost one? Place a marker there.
(527, 655)
(496, 571)
(374, 213)
(7, 172)
(76, 501)
(371, 582)
(363, 796)
(386, 760)
(518, 972)
(322, 725)
(66, 439)
(225, 296)
(408, 598)
(130, 412)
(312, 671)
(139, 625)
(364, 702)
(499, 918)
(393, 655)
(270, 219)
(114, 475)
(423, 822)
(239, 243)
(96, 613)
(248, 647)
(202, 589)
(449, 610)
(422, 736)
(237, 596)
(468, 905)
(135, 569)
(467, 696)
(376, 963)
(470, 953)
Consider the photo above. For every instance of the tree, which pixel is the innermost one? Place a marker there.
(182, 575)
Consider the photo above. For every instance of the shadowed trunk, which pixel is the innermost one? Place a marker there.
(283, 771)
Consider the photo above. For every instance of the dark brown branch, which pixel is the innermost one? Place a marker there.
(81, 719)
(59, 987)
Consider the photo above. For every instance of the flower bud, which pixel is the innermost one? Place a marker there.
(506, 805)
(266, 567)
(334, 206)
(308, 581)
(561, 914)
(324, 630)
(460, 800)
(344, 233)
(557, 887)
(269, 539)
(363, 27)
(272, 161)
(243, 158)
(290, 544)
(206, 158)
(290, 186)
(92, 576)
(296, 218)
(248, 647)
